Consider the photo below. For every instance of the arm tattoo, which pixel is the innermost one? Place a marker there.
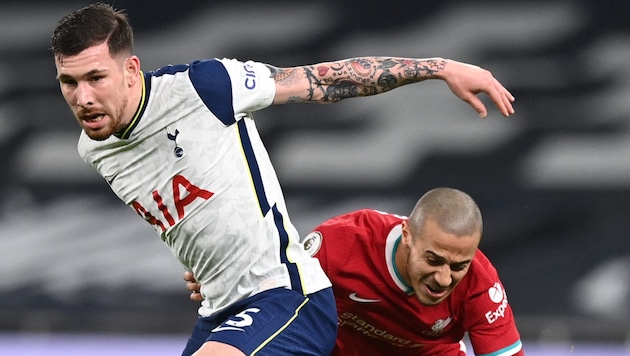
(331, 83)
(337, 81)
(284, 77)
(288, 77)
(373, 75)
(364, 76)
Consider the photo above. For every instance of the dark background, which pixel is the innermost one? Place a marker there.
(553, 181)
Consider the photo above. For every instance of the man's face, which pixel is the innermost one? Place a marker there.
(437, 261)
(97, 89)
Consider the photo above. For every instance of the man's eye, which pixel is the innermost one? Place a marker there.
(458, 268)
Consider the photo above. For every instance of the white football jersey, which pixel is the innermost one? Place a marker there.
(192, 164)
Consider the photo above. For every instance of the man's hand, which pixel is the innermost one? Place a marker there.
(467, 80)
(193, 286)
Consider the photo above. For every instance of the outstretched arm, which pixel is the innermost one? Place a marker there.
(331, 82)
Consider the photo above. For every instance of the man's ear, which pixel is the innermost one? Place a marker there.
(406, 234)
(132, 70)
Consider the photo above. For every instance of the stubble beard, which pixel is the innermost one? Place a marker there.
(113, 125)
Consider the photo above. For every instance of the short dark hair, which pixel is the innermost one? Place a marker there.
(90, 26)
(454, 211)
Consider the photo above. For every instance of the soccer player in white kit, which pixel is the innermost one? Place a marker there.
(180, 147)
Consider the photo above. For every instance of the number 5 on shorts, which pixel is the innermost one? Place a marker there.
(237, 325)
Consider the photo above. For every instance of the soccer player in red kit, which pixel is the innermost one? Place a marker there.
(414, 286)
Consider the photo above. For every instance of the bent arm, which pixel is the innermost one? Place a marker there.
(330, 82)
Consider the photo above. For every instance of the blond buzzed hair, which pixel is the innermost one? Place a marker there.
(454, 211)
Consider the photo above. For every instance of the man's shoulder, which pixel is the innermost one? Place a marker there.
(481, 282)
(363, 231)
(482, 273)
(366, 217)
(356, 226)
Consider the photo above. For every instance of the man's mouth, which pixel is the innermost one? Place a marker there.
(95, 122)
(435, 292)
(93, 118)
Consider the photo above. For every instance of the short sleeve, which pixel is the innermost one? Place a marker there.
(492, 329)
(253, 88)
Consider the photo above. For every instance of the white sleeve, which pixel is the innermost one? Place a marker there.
(253, 88)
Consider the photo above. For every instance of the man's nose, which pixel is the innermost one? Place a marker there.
(443, 276)
(85, 98)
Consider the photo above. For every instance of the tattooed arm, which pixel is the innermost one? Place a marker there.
(334, 81)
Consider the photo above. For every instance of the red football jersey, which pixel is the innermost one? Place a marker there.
(380, 315)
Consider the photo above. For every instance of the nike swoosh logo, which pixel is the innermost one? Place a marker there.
(356, 298)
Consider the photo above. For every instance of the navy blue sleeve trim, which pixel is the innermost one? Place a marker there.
(212, 83)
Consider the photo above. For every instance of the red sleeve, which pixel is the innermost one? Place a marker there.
(334, 236)
(353, 231)
(490, 321)
(495, 329)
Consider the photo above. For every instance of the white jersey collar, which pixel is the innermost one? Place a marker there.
(391, 246)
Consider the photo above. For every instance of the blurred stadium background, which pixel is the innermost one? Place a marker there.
(79, 271)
